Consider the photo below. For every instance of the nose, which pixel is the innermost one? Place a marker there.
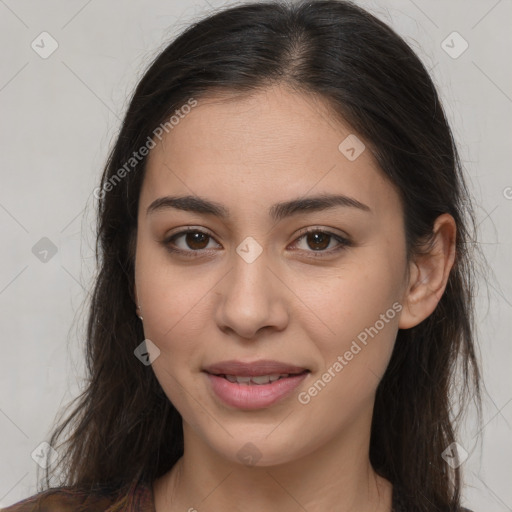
(252, 299)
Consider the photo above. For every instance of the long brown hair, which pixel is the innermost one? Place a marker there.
(122, 428)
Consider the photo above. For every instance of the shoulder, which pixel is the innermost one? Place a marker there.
(61, 499)
(137, 497)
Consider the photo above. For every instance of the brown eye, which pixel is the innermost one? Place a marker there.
(196, 240)
(318, 240)
(190, 242)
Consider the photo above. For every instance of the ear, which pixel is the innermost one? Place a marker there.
(429, 274)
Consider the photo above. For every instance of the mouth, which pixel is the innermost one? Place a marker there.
(260, 368)
(256, 380)
(253, 385)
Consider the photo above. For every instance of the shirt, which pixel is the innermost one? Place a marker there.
(139, 498)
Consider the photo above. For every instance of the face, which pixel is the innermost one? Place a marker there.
(316, 284)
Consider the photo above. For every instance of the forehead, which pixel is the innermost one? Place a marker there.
(271, 123)
(267, 146)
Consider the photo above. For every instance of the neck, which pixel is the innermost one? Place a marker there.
(337, 476)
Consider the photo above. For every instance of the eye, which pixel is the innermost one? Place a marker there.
(188, 242)
(317, 241)
(192, 242)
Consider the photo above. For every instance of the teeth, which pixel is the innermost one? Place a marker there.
(259, 379)
(264, 379)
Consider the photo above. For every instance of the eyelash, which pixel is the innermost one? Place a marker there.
(343, 243)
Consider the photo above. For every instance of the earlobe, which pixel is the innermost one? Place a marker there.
(138, 310)
(429, 272)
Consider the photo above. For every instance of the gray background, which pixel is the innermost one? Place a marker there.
(59, 116)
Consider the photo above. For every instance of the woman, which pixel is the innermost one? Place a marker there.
(284, 221)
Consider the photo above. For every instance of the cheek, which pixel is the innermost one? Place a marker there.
(339, 305)
(175, 310)
(353, 352)
(172, 298)
(352, 320)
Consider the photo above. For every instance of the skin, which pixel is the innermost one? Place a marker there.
(248, 153)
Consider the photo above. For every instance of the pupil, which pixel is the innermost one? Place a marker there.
(197, 240)
(319, 239)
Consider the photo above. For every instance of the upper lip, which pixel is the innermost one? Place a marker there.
(252, 369)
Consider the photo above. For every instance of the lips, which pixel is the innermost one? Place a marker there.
(253, 369)
(255, 385)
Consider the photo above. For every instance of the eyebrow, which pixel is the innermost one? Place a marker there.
(277, 211)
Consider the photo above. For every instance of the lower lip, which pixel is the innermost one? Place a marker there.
(254, 396)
